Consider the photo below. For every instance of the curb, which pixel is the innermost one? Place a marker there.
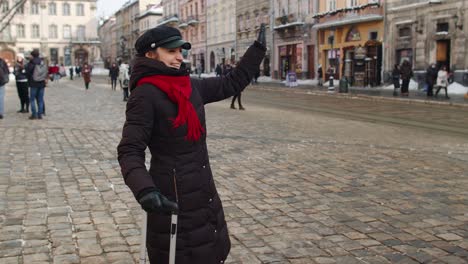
(376, 98)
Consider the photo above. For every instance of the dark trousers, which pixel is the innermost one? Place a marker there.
(404, 86)
(440, 87)
(114, 83)
(430, 88)
(23, 93)
(238, 97)
(86, 85)
(125, 93)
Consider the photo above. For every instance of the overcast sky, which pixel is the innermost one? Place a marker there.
(108, 7)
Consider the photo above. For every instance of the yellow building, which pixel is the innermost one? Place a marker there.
(350, 36)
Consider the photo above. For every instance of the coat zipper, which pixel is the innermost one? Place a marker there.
(175, 186)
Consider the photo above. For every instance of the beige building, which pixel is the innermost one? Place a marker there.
(221, 33)
(250, 14)
(128, 27)
(64, 31)
(294, 39)
(150, 18)
(108, 36)
(192, 24)
(427, 32)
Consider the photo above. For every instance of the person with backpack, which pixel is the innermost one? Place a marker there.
(37, 74)
(4, 79)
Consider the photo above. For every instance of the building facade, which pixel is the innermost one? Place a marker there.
(150, 18)
(192, 25)
(65, 32)
(221, 33)
(350, 38)
(294, 38)
(427, 32)
(108, 36)
(249, 16)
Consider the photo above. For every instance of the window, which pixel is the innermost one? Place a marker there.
(373, 35)
(331, 5)
(79, 10)
(20, 31)
(81, 32)
(34, 8)
(52, 9)
(66, 32)
(53, 31)
(351, 3)
(35, 33)
(4, 6)
(404, 32)
(66, 9)
(442, 27)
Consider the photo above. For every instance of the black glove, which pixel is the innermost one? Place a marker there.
(155, 202)
(261, 35)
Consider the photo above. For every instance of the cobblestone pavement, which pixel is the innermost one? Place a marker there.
(298, 186)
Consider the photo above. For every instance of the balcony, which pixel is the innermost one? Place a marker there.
(174, 18)
(85, 41)
(192, 20)
(288, 21)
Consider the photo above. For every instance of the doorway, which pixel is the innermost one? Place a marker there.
(443, 53)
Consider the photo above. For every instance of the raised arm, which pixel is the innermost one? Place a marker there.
(219, 88)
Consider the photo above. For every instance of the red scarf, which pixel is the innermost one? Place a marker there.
(178, 89)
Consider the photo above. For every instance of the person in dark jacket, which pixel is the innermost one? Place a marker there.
(22, 84)
(396, 79)
(431, 78)
(71, 70)
(218, 70)
(37, 88)
(114, 74)
(166, 113)
(406, 74)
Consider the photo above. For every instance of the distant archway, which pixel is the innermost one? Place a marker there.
(81, 56)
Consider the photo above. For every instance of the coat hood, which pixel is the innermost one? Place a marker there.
(142, 67)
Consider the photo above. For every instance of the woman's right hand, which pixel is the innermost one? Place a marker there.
(155, 202)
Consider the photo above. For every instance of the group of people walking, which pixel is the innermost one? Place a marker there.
(121, 73)
(435, 78)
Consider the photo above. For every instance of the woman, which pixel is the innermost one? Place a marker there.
(124, 79)
(22, 84)
(396, 79)
(86, 72)
(166, 113)
(406, 72)
(442, 81)
(114, 74)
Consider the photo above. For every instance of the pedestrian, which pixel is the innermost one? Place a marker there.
(320, 75)
(396, 79)
(37, 74)
(114, 74)
(78, 71)
(86, 70)
(4, 79)
(256, 76)
(165, 113)
(218, 70)
(442, 81)
(431, 78)
(21, 84)
(406, 74)
(71, 70)
(124, 79)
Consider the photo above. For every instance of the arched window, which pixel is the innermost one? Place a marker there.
(53, 31)
(79, 10)
(52, 9)
(66, 9)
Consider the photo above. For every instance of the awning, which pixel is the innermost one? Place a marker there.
(347, 21)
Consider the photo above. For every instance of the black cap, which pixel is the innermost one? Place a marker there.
(161, 36)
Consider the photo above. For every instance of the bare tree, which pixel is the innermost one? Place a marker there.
(6, 17)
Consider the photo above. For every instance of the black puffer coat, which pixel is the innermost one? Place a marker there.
(202, 235)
